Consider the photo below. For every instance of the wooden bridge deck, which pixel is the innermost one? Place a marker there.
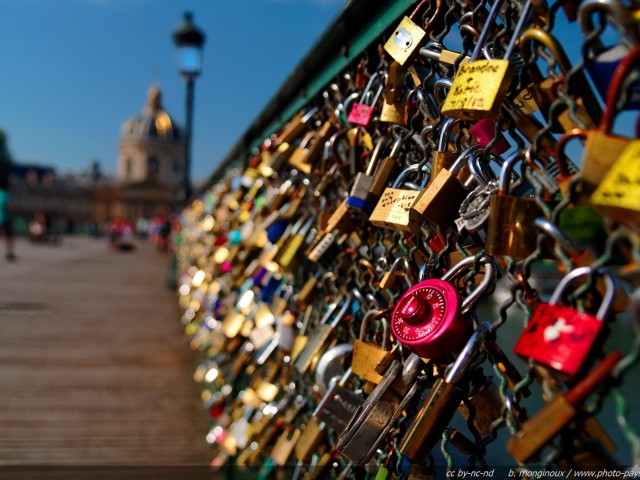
(93, 367)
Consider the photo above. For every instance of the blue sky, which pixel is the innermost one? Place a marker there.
(73, 70)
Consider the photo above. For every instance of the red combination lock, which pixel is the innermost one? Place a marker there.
(430, 317)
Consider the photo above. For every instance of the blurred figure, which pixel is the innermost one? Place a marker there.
(38, 228)
(5, 218)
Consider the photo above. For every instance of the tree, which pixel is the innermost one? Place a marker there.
(6, 160)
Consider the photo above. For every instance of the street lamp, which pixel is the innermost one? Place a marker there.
(189, 41)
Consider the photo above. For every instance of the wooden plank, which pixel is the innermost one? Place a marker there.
(94, 369)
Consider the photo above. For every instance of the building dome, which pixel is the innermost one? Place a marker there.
(153, 123)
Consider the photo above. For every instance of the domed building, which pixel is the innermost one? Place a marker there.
(150, 165)
(151, 146)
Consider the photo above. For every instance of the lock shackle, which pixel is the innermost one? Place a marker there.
(488, 279)
(409, 277)
(616, 13)
(345, 301)
(461, 161)
(427, 108)
(613, 93)
(534, 35)
(309, 115)
(377, 315)
(415, 167)
(479, 170)
(400, 134)
(460, 367)
(507, 169)
(438, 89)
(558, 236)
(445, 133)
(376, 155)
(578, 273)
(486, 30)
(367, 89)
(330, 367)
(561, 159)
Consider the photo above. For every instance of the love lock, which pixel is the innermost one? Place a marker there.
(560, 336)
(379, 412)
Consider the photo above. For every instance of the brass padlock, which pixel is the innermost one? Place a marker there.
(407, 38)
(480, 86)
(588, 110)
(310, 148)
(367, 355)
(511, 218)
(441, 200)
(319, 339)
(394, 205)
(443, 158)
(602, 148)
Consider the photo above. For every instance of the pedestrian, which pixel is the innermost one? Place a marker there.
(6, 223)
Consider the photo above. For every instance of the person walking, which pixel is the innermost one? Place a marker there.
(6, 223)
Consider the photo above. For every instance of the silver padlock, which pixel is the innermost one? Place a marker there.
(338, 405)
(331, 366)
(378, 414)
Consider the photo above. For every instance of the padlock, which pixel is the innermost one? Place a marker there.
(284, 143)
(511, 218)
(440, 200)
(443, 399)
(434, 51)
(580, 258)
(484, 131)
(394, 83)
(443, 158)
(587, 107)
(480, 86)
(536, 432)
(559, 336)
(601, 62)
(486, 404)
(360, 197)
(332, 366)
(602, 148)
(618, 195)
(338, 405)
(310, 148)
(321, 335)
(311, 436)
(408, 37)
(387, 166)
(362, 111)
(372, 422)
(367, 355)
(394, 205)
(431, 318)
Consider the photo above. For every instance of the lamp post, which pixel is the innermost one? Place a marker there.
(189, 41)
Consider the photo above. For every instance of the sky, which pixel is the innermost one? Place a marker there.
(72, 71)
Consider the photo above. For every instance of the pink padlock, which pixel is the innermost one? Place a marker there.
(362, 111)
(484, 131)
(430, 318)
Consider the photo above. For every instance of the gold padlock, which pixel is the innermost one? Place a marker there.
(587, 110)
(441, 200)
(366, 355)
(406, 40)
(394, 206)
(511, 218)
(602, 148)
(480, 86)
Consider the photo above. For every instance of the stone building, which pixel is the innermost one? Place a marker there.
(150, 165)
